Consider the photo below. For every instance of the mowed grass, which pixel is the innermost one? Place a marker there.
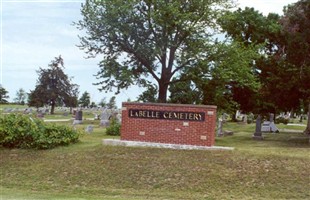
(275, 168)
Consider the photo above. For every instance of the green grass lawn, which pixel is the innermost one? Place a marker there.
(275, 168)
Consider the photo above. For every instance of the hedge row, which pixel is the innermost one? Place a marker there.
(20, 131)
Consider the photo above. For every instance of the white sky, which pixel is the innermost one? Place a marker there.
(33, 32)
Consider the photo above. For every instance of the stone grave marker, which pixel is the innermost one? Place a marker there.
(220, 127)
(105, 118)
(269, 126)
(258, 129)
(89, 129)
(78, 117)
(118, 117)
(245, 119)
(26, 111)
(40, 115)
(273, 126)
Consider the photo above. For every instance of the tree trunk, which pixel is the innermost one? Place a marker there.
(162, 95)
(52, 107)
(307, 131)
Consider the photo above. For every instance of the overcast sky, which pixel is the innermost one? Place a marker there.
(33, 32)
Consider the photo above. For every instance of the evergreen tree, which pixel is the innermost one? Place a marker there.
(84, 101)
(54, 86)
(3, 95)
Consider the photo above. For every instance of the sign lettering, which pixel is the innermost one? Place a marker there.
(168, 115)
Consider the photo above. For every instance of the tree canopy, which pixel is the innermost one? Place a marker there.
(21, 96)
(296, 51)
(84, 101)
(54, 87)
(144, 41)
(284, 65)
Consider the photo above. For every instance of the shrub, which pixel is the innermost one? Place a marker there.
(114, 128)
(19, 131)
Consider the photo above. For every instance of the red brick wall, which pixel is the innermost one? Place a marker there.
(171, 131)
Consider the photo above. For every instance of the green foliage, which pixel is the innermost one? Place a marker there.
(112, 103)
(296, 47)
(90, 170)
(21, 96)
(213, 82)
(103, 102)
(3, 95)
(185, 93)
(283, 67)
(84, 101)
(250, 26)
(143, 40)
(54, 87)
(114, 128)
(149, 95)
(20, 131)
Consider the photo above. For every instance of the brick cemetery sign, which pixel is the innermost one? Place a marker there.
(169, 123)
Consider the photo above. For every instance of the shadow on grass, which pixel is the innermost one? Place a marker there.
(243, 138)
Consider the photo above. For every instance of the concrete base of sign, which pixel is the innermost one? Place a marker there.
(116, 142)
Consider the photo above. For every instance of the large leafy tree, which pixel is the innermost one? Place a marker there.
(252, 28)
(145, 41)
(296, 50)
(211, 82)
(54, 86)
(3, 95)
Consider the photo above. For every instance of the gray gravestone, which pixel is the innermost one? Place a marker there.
(27, 111)
(273, 126)
(40, 115)
(245, 119)
(271, 117)
(89, 129)
(105, 118)
(258, 132)
(78, 117)
(220, 128)
(119, 117)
